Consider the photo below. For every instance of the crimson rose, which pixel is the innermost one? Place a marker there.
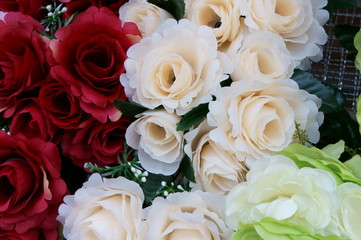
(99, 143)
(81, 5)
(31, 189)
(90, 53)
(23, 63)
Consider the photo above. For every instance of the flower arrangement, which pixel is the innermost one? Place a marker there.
(172, 119)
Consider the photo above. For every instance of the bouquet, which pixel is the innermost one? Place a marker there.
(172, 119)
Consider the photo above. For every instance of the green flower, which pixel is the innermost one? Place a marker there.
(272, 229)
(326, 159)
(357, 43)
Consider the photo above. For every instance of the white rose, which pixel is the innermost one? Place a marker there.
(277, 188)
(299, 22)
(178, 67)
(187, 215)
(258, 119)
(215, 168)
(260, 55)
(103, 209)
(350, 210)
(159, 144)
(146, 15)
(222, 16)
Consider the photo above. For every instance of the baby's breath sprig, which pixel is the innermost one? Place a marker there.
(170, 187)
(300, 135)
(53, 19)
(130, 169)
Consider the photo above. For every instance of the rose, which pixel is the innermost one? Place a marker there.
(29, 235)
(77, 6)
(23, 62)
(277, 188)
(159, 144)
(98, 143)
(178, 67)
(146, 15)
(59, 105)
(254, 119)
(30, 185)
(103, 209)
(215, 169)
(31, 122)
(221, 15)
(28, 7)
(350, 211)
(192, 215)
(297, 21)
(90, 52)
(260, 55)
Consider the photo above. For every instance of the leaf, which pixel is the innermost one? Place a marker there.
(187, 169)
(152, 186)
(174, 7)
(341, 4)
(333, 99)
(355, 165)
(358, 112)
(345, 34)
(193, 117)
(128, 109)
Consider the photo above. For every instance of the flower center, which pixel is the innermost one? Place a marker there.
(285, 8)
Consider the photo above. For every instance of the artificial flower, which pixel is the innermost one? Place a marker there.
(146, 15)
(178, 67)
(215, 168)
(186, 215)
(159, 144)
(103, 209)
(357, 43)
(77, 6)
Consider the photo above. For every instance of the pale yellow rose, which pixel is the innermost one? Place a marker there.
(299, 22)
(258, 119)
(187, 215)
(146, 15)
(159, 144)
(260, 55)
(177, 67)
(215, 168)
(222, 16)
(277, 188)
(103, 209)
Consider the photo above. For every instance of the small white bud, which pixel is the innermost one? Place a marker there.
(64, 10)
(143, 179)
(165, 193)
(133, 169)
(139, 172)
(50, 14)
(172, 184)
(48, 8)
(180, 187)
(145, 174)
(163, 183)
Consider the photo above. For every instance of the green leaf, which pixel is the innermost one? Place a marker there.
(187, 169)
(193, 117)
(174, 7)
(341, 4)
(358, 112)
(333, 99)
(128, 109)
(152, 186)
(345, 34)
(355, 165)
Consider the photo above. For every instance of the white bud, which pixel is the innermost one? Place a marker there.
(64, 10)
(50, 14)
(145, 174)
(48, 8)
(143, 179)
(180, 187)
(133, 169)
(165, 193)
(163, 183)
(139, 172)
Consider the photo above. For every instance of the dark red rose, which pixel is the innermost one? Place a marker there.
(91, 52)
(32, 123)
(23, 62)
(31, 189)
(59, 105)
(29, 235)
(81, 5)
(99, 143)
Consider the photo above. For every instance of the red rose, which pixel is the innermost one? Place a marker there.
(29, 235)
(31, 189)
(98, 143)
(91, 52)
(23, 63)
(31, 122)
(81, 5)
(59, 104)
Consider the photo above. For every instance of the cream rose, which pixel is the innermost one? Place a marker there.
(159, 144)
(222, 16)
(177, 67)
(350, 210)
(146, 15)
(260, 55)
(277, 188)
(258, 119)
(103, 209)
(299, 22)
(187, 215)
(216, 169)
